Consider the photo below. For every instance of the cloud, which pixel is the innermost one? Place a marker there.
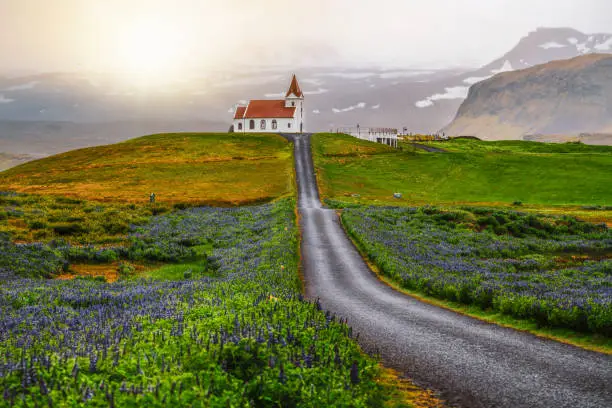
(455, 92)
(22, 87)
(360, 105)
(3, 99)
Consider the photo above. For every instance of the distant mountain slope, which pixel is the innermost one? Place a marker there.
(562, 97)
(423, 100)
(43, 138)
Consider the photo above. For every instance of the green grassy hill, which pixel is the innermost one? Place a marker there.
(198, 168)
(486, 173)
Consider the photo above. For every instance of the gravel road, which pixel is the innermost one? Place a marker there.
(468, 362)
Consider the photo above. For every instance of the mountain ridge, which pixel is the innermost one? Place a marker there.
(567, 97)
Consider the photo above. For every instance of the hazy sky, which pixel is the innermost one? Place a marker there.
(179, 35)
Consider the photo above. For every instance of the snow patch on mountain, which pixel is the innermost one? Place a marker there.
(582, 48)
(4, 99)
(360, 105)
(21, 87)
(552, 44)
(507, 66)
(572, 40)
(455, 92)
(605, 46)
(425, 103)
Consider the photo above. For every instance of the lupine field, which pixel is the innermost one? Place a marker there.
(238, 335)
(556, 271)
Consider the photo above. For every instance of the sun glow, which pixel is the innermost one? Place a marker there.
(152, 50)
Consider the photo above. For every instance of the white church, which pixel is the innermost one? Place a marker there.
(273, 116)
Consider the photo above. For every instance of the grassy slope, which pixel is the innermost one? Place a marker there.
(516, 146)
(544, 176)
(207, 168)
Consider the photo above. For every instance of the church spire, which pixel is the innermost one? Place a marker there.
(294, 88)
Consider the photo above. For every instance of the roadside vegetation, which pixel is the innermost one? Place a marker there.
(555, 272)
(570, 178)
(195, 168)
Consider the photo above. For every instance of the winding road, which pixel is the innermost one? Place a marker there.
(468, 362)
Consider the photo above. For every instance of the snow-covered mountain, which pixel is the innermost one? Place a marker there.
(538, 47)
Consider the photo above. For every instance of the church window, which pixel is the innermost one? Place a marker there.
(251, 124)
(239, 126)
(292, 103)
(262, 124)
(274, 124)
(289, 125)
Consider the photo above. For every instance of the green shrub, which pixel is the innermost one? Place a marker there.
(126, 270)
(37, 225)
(67, 229)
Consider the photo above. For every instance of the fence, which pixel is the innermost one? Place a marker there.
(386, 136)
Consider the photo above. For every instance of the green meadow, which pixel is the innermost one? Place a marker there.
(546, 177)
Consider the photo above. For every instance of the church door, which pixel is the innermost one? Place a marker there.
(251, 124)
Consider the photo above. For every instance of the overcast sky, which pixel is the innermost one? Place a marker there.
(102, 35)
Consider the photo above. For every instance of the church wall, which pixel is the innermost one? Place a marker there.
(281, 128)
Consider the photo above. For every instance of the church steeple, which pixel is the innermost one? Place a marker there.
(294, 89)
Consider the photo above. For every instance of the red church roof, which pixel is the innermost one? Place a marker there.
(239, 112)
(264, 109)
(294, 88)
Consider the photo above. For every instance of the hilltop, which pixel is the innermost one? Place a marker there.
(562, 97)
(194, 168)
